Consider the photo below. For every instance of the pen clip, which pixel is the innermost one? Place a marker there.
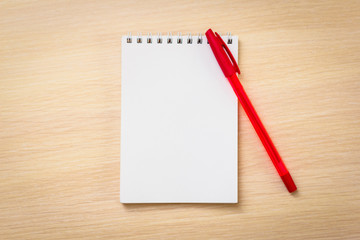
(227, 50)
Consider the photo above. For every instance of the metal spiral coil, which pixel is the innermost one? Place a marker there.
(170, 39)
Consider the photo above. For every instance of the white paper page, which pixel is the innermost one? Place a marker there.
(178, 124)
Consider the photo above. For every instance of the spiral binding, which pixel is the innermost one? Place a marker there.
(170, 39)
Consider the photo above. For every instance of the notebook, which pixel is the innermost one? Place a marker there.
(179, 126)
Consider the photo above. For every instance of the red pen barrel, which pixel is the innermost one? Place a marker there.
(262, 133)
(229, 67)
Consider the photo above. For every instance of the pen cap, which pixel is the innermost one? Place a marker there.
(222, 54)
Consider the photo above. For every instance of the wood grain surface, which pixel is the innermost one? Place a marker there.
(60, 85)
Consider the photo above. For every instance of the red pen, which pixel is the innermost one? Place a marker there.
(230, 68)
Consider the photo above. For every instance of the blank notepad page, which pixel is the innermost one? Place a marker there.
(179, 118)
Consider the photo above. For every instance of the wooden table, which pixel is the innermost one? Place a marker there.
(60, 120)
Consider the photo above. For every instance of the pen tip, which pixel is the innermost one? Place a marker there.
(289, 183)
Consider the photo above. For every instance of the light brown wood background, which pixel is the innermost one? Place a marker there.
(60, 120)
